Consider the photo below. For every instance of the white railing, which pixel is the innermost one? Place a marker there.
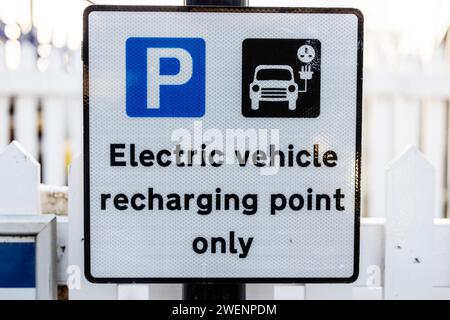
(403, 256)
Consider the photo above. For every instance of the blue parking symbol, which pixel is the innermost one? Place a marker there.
(165, 77)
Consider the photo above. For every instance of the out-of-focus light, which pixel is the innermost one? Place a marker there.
(447, 46)
(12, 54)
(73, 43)
(16, 12)
(66, 58)
(415, 27)
(12, 31)
(59, 39)
(409, 27)
(42, 64)
(44, 35)
(44, 50)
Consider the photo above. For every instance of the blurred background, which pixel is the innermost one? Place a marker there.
(406, 84)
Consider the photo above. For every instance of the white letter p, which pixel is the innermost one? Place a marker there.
(155, 80)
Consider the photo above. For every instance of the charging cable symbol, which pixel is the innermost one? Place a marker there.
(306, 54)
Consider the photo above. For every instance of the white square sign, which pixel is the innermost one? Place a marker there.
(222, 144)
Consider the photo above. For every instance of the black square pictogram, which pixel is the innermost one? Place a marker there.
(281, 78)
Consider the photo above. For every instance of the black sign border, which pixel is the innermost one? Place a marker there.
(206, 9)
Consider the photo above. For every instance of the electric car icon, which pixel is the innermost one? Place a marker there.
(274, 83)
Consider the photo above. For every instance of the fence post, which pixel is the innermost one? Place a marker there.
(409, 227)
(20, 213)
(20, 178)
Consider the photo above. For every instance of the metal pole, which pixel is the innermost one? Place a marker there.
(214, 291)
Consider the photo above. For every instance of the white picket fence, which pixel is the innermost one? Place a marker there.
(405, 103)
(43, 109)
(403, 256)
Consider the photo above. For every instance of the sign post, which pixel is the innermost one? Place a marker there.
(222, 145)
(215, 291)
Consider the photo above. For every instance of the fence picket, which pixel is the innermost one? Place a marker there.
(4, 105)
(19, 181)
(54, 129)
(53, 141)
(379, 152)
(433, 140)
(406, 123)
(4, 122)
(409, 227)
(75, 126)
(25, 124)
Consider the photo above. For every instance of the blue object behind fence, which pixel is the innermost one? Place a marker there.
(17, 265)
